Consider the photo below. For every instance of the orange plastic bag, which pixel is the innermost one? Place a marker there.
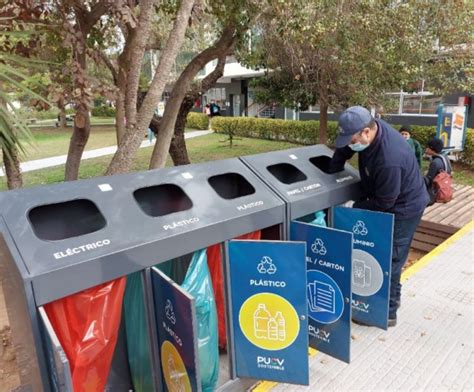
(214, 262)
(87, 325)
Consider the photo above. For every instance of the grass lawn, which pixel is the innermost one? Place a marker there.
(200, 149)
(51, 142)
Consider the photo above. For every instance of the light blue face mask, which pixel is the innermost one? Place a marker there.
(358, 147)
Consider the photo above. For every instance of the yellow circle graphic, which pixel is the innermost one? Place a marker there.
(269, 321)
(174, 371)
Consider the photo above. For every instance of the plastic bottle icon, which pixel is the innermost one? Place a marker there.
(175, 377)
(272, 329)
(261, 318)
(281, 326)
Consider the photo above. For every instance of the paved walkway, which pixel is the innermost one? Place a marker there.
(431, 348)
(100, 152)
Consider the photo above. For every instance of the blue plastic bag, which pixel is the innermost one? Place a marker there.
(198, 284)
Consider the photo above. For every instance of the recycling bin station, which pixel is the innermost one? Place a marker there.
(60, 241)
(300, 177)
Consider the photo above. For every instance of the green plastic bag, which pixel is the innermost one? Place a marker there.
(198, 284)
(138, 344)
(319, 219)
(176, 269)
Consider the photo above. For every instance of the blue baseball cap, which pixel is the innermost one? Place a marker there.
(352, 121)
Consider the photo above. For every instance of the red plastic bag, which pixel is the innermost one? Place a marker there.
(87, 325)
(214, 262)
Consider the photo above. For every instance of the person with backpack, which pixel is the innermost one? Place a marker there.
(438, 179)
(405, 131)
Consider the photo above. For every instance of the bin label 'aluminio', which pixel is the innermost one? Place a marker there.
(329, 255)
(268, 280)
(371, 262)
(176, 325)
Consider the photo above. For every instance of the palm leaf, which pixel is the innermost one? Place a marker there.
(21, 87)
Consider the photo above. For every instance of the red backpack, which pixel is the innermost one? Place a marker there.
(443, 184)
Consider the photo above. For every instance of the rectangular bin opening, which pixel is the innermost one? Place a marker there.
(272, 233)
(162, 200)
(322, 162)
(286, 173)
(231, 185)
(54, 222)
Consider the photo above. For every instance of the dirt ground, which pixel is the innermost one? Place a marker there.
(8, 370)
(9, 379)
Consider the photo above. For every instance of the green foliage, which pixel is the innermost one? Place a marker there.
(103, 111)
(302, 132)
(353, 52)
(305, 132)
(197, 121)
(467, 156)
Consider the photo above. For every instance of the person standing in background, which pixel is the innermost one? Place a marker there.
(405, 131)
(438, 163)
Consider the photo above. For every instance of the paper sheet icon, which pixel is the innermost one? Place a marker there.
(321, 297)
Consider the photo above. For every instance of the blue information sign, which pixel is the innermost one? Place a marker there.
(268, 280)
(175, 321)
(371, 262)
(329, 255)
(451, 127)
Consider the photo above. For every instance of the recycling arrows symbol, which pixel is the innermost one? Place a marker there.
(266, 266)
(359, 228)
(318, 247)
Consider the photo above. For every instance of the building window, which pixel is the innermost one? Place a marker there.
(217, 94)
(420, 103)
(315, 109)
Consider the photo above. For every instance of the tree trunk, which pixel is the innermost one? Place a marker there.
(178, 150)
(79, 138)
(323, 122)
(62, 113)
(119, 115)
(138, 41)
(12, 168)
(85, 20)
(82, 127)
(162, 145)
(128, 147)
(120, 97)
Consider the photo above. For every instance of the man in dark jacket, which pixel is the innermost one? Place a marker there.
(391, 182)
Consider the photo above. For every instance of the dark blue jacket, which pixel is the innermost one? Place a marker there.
(390, 176)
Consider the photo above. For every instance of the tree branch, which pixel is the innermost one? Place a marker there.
(98, 9)
(136, 58)
(111, 66)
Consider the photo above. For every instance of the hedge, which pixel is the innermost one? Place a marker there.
(103, 111)
(301, 132)
(197, 121)
(305, 132)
